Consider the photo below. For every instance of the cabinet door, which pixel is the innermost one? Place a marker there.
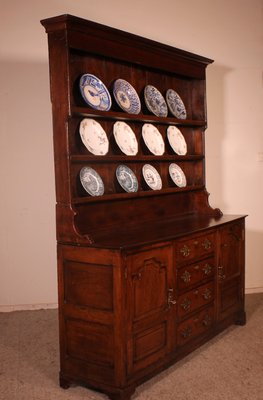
(231, 270)
(151, 306)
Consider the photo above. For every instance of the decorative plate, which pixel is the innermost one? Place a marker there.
(94, 137)
(175, 104)
(91, 181)
(152, 177)
(126, 96)
(176, 140)
(94, 92)
(125, 138)
(155, 101)
(153, 139)
(177, 175)
(127, 178)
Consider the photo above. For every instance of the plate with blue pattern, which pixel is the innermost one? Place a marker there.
(91, 181)
(94, 92)
(175, 104)
(155, 101)
(126, 97)
(127, 178)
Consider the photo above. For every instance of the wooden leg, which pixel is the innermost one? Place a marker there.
(241, 318)
(124, 394)
(64, 383)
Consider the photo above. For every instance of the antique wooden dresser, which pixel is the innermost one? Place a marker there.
(146, 273)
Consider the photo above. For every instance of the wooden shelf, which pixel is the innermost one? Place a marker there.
(116, 115)
(124, 195)
(124, 159)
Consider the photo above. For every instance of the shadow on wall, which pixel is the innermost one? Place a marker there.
(216, 133)
(254, 258)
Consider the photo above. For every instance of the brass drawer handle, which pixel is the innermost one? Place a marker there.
(207, 294)
(207, 244)
(185, 251)
(207, 269)
(186, 304)
(186, 277)
(207, 320)
(186, 332)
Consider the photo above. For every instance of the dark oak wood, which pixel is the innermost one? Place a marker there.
(144, 278)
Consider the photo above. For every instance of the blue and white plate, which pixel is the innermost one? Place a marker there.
(155, 102)
(152, 177)
(94, 92)
(177, 175)
(126, 96)
(91, 181)
(175, 104)
(127, 178)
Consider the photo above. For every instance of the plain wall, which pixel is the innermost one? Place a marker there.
(228, 31)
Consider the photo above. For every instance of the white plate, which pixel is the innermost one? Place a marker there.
(94, 137)
(127, 178)
(152, 177)
(177, 175)
(154, 101)
(94, 92)
(153, 139)
(91, 181)
(175, 104)
(126, 96)
(125, 138)
(176, 140)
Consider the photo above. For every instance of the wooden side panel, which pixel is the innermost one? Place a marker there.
(91, 308)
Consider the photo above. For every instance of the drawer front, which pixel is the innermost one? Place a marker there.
(194, 273)
(195, 247)
(196, 325)
(194, 299)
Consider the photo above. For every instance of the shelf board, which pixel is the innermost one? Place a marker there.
(132, 159)
(124, 195)
(117, 115)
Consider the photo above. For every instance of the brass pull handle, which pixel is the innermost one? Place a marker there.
(207, 269)
(206, 244)
(185, 251)
(186, 304)
(207, 294)
(170, 299)
(186, 277)
(186, 332)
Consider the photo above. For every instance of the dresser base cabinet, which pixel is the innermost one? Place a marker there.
(144, 276)
(126, 314)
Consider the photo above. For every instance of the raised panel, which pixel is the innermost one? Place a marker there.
(149, 287)
(90, 341)
(231, 251)
(230, 297)
(88, 285)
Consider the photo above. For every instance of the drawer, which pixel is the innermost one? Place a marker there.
(196, 325)
(194, 299)
(194, 273)
(196, 247)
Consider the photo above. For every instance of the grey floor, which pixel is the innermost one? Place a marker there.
(229, 367)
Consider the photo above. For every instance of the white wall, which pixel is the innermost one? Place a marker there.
(229, 31)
